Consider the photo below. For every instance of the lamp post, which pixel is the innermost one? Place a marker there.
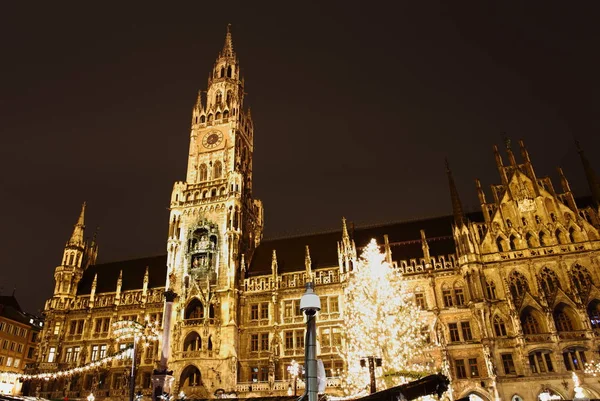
(373, 362)
(294, 370)
(131, 330)
(310, 304)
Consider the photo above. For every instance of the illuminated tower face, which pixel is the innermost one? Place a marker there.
(214, 224)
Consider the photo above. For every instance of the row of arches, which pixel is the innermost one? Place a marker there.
(205, 194)
(580, 277)
(565, 319)
(542, 238)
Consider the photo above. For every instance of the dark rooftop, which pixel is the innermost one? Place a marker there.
(404, 238)
(133, 275)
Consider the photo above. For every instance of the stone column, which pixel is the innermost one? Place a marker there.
(162, 378)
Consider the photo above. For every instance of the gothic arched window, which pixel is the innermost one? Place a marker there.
(218, 98)
(194, 310)
(511, 242)
(192, 342)
(218, 115)
(500, 244)
(499, 327)
(229, 72)
(518, 284)
(203, 172)
(549, 281)
(190, 377)
(490, 289)
(543, 239)
(529, 322)
(561, 318)
(217, 170)
(581, 278)
(593, 311)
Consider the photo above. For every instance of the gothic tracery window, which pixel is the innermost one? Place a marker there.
(549, 281)
(518, 285)
(529, 322)
(218, 170)
(499, 327)
(490, 289)
(203, 172)
(561, 319)
(593, 311)
(582, 280)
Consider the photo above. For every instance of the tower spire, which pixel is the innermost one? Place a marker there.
(228, 45)
(77, 236)
(459, 218)
(590, 175)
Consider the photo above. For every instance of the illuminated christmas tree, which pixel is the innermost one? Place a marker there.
(382, 322)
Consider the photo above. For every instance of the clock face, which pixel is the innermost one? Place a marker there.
(212, 139)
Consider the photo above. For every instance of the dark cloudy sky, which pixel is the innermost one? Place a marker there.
(355, 104)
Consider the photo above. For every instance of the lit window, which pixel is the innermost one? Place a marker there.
(103, 351)
(94, 355)
(17, 363)
(473, 367)
(56, 328)
(52, 354)
(9, 361)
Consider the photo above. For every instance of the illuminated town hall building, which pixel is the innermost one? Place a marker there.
(510, 295)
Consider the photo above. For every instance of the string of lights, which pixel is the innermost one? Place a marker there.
(122, 354)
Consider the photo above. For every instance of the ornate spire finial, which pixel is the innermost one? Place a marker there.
(77, 236)
(228, 46)
(457, 210)
(274, 266)
(307, 264)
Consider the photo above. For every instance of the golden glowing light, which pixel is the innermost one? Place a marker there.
(382, 321)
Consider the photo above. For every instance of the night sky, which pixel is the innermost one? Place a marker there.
(355, 106)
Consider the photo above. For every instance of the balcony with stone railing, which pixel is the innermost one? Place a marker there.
(291, 280)
(538, 338)
(281, 387)
(538, 251)
(573, 335)
(200, 321)
(197, 354)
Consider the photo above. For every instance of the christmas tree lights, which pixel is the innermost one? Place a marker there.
(382, 321)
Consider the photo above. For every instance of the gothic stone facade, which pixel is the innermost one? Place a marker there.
(509, 295)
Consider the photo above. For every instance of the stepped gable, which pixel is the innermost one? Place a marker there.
(133, 275)
(404, 238)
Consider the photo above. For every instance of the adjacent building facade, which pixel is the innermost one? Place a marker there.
(19, 336)
(509, 295)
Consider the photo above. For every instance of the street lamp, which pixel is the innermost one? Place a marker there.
(373, 362)
(294, 370)
(124, 330)
(310, 304)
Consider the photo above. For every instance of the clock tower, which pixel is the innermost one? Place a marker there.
(214, 226)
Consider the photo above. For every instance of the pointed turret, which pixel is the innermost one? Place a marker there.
(274, 267)
(93, 291)
(77, 236)
(590, 175)
(567, 194)
(459, 218)
(509, 152)
(388, 250)
(500, 166)
(308, 265)
(228, 45)
(481, 195)
(529, 167)
(425, 247)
